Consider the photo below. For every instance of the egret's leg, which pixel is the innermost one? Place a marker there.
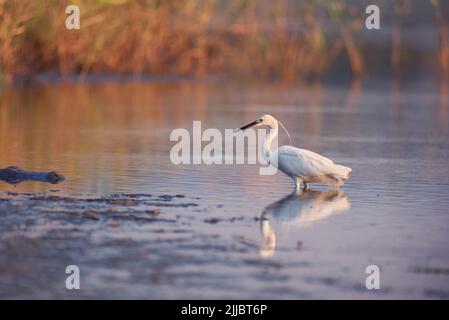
(297, 183)
(306, 186)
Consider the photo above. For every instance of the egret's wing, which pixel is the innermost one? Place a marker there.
(300, 162)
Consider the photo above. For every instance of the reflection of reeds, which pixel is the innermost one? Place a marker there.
(443, 37)
(277, 39)
(401, 8)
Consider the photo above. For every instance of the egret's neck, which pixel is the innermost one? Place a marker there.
(271, 134)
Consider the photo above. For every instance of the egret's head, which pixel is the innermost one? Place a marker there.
(265, 120)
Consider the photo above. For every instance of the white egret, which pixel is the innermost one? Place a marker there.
(303, 166)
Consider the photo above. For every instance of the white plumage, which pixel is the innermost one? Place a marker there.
(299, 209)
(302, 165)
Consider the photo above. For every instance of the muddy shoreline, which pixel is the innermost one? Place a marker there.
(135, 242)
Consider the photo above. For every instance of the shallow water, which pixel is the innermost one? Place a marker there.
(246, 236)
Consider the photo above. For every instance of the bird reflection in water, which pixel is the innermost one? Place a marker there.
(301, 208)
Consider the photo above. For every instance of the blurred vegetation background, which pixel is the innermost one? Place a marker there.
(252, 39)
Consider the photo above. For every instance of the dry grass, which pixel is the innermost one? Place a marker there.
(275, 39)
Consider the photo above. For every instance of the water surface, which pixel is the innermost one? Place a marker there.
(247, 236)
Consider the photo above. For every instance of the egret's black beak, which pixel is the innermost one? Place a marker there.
(249, 125)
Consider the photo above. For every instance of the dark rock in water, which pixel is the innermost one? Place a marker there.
(166, 197)
(212, 220)
(15, 175)
(236, 219)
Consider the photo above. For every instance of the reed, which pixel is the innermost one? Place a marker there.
(443, 37)
(277, 39)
